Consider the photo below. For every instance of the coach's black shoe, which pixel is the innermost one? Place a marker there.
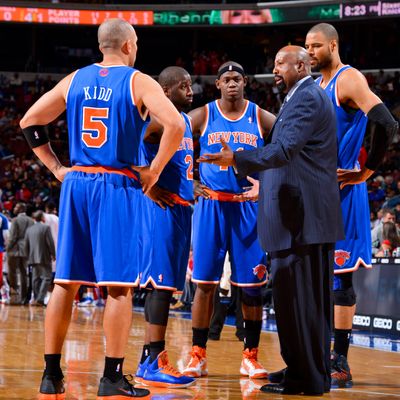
(51, 388)
(278, 388)
(122, 389)
(277, 376)
(340, 372)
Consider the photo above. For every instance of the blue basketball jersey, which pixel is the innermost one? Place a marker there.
(177, 176)
(356, 248)
(351, 127)
(243, 133)
(104, 123)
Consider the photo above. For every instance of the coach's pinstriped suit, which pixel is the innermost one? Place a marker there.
(299, 219)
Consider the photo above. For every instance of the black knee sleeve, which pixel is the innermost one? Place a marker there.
(159, 307)
(343, 291)
(147, 306)
(252, 297)
(344, 297)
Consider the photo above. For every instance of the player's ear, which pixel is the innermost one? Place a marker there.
(166, 90)
(245, 80)
(333, 45)
(126, 47)
(217, 84)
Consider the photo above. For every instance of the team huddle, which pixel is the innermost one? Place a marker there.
(126, 206)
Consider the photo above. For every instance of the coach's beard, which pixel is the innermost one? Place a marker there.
(280, 84)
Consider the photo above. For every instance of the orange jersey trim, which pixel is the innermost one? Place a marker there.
(264, 282)
(224, 196)
(104, 170)
(178, 200)
(359, 262)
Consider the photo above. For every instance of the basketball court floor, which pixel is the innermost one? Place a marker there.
(376, 372)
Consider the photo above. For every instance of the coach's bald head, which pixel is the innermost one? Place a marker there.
(292, 63)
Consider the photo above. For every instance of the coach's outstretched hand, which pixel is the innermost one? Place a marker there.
(224, 158)
(251, 192)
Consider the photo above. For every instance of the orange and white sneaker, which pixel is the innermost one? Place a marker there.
(197, 365)
(251, 367)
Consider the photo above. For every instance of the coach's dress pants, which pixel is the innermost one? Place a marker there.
(302, 292)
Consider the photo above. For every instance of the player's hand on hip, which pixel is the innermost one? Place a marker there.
(353, 176)
(251, 192)
(224, 158)
(60, 172)
(160, 196)
(148, 177)
(200, 190)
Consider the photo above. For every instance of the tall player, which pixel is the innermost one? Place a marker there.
(107, 106)
(224, 221)
(167, 241)
(355, 104)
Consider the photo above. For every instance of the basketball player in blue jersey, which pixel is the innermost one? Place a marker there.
(354, 104)
(166, 244)
(100, 204)
(224, 221)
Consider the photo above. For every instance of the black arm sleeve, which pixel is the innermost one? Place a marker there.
(386, 128)
(35, 135)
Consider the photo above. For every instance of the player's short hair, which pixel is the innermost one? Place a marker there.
(171, 75)
(328, 30)
(113, 33)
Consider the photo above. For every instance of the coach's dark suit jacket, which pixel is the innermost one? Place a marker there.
(299, 198)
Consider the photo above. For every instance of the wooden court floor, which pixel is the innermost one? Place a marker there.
(376, 373)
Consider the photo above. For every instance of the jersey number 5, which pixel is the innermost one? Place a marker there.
(189, 171)
(92, 121)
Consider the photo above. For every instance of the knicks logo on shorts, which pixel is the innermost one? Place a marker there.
(260, 271)
(341, 257)
(160, 278)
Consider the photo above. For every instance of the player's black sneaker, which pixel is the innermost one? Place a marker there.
(340, 372)
(51, 388)
(109, 390)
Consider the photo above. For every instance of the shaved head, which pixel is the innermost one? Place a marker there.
(292, 63)
(297, 53)
(322, 44)
(327, 30)
(113, 33)
(172, 75)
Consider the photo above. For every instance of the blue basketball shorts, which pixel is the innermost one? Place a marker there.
(356, 248)
(166, 245)
(220, 227)
(98, 231)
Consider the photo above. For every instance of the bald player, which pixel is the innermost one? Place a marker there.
(107, 105)
(225, 220)
(355, 104)
(166, 244)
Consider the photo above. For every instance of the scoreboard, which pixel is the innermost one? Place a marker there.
(77, 17)
(215, 17)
